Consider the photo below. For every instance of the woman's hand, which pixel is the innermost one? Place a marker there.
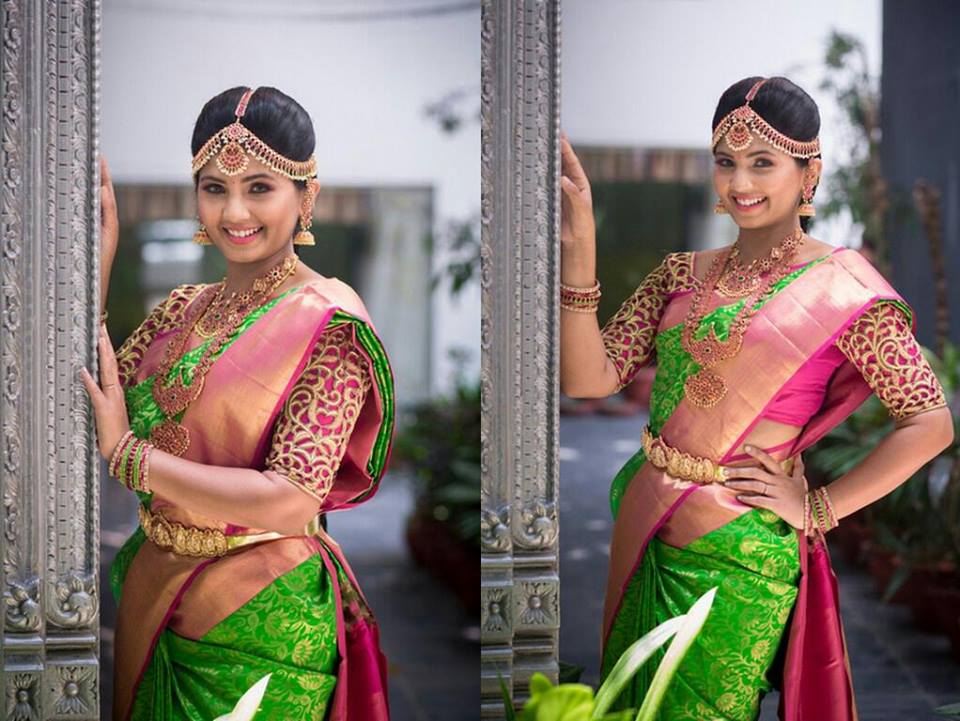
(109, 224)
(577, 229)
(107, 398)
(769, 487)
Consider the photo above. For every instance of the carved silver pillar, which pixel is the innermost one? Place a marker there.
(520, 611)
(49, 210)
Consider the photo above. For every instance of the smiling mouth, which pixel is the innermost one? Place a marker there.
(244, 236)
(748, 203)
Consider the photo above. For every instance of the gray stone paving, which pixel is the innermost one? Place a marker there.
(431, 643)
(900, 674)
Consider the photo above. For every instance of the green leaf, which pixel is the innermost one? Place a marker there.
(508, 709)
(951, 711)
(567, 702)
(693, 622)
(631, 660)
(248, 704)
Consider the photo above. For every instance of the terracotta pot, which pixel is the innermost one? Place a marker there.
(945, 602)
(435, 547)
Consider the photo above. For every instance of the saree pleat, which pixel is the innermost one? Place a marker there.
(754, 563)
(288, 629)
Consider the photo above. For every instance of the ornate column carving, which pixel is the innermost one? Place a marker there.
(520, 206)
(49, 465)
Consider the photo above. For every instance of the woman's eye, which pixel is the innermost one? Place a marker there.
(213, 188)
(263, 188)
(724, 162)
(763, 163)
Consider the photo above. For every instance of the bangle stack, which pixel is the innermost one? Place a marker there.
(130, 462)
(818, 513)
(580, 300)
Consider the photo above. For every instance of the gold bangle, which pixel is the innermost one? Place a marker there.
(579, 308)
(590, 290)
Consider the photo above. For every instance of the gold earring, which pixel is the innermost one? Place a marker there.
(201, 237)
(719, 208)
(305, 237)
(806, 209)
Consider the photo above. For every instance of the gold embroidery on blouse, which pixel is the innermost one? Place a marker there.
(628, 335)
(319, 415)
(166, 316)
(882, 347)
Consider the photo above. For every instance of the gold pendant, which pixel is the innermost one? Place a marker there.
(705, 388)
(171, 437)
(737, 284)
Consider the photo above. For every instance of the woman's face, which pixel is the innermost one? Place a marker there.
(258, 200)
(759, 185)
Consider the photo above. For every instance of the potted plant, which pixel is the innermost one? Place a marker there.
(440, 446)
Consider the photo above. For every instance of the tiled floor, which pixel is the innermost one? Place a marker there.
(899, 673)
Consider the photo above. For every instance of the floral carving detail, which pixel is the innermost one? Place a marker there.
(494, 529)
(76, 596)
(493, 616)
(537, 604)
(538, 526)
(23, 609)
(22, 698)
(77, 692)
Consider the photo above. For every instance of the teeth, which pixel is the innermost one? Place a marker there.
(242, 234)
(749, 202)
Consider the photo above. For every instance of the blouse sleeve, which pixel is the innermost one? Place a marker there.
(318, 417)
(629, 334)
(882, 347)
(164, 316)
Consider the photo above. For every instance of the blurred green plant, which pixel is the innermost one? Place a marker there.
(440, 444)
(856, 184)
(578, 702)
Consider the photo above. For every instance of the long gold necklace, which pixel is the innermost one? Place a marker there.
(174, 397)
(706, 388)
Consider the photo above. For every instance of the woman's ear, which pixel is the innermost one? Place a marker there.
(815, 168)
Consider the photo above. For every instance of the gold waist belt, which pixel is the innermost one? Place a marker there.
(679, 464)
(192, 541)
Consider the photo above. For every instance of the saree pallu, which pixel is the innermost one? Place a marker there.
(193, 634)
(673, 539)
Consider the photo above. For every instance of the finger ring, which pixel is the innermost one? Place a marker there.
(764, 489)
(111, 385)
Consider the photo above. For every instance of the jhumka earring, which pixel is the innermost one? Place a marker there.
(719, 208)
(806, 208)
(201, 237)
(305, 237)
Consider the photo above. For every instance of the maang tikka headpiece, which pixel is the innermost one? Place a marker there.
(739, 122)
(233, 144)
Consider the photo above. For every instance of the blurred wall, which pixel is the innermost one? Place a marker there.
(365, 71)
(920, 114)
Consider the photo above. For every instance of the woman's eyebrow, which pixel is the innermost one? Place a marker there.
(258, 176)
